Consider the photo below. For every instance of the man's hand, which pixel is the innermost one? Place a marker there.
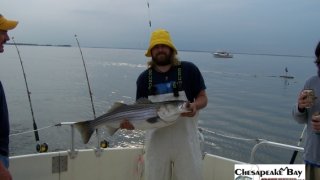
(199, 103)
(304, 101)
(126, 125)
(315, 123)
(193, 110)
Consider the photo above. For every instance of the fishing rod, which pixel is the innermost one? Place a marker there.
(40, 147)
(294, 155)
(88, 83)
(103, 143)
(148, 5)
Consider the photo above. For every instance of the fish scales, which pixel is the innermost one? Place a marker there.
(134, 114)
(142, 115)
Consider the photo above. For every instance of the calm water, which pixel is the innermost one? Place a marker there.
(247, 98)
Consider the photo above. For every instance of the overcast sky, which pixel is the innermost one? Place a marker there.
(258, 26)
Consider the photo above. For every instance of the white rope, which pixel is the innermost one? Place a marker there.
(230, 137)
(200, 129)
(25, 132)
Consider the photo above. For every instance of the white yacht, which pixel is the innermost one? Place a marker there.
(222, 54)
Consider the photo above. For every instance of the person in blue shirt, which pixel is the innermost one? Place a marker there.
(306, 111)
(175, 148)
(5, 25)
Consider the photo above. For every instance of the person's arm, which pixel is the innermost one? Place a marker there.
(299, 111)
(200, 102)
(4, 115)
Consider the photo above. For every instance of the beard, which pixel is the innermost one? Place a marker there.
(162, 59)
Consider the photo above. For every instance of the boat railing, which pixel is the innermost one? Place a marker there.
(258, 143)
(73, 152)
(274, 144)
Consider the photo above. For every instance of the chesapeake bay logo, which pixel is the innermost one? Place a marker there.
(269, 171)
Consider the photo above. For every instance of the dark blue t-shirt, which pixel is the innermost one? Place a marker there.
(4, 124)
(192, 81)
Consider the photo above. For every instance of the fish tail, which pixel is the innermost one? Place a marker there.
(85, 130)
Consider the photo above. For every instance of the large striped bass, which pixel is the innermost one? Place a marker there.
(142, 115)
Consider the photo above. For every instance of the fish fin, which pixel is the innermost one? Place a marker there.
(110, 130)
(152, 120)
(85, 130)
(116, 105)
(143, 101)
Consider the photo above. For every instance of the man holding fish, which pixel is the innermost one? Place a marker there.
(170, 94)
(174, 148)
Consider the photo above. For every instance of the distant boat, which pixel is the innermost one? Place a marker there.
(222, 54)
(286, 76)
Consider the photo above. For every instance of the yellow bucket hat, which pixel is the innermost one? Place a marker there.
(160, 36)
(7, 24)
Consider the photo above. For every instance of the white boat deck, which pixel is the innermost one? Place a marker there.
(113, 163)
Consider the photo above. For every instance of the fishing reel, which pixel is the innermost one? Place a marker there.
(104, 144)
(41, 148)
